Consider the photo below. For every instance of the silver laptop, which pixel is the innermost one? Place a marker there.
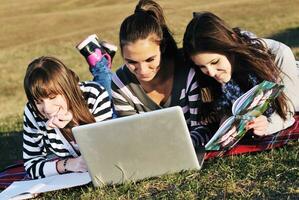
(137, 147)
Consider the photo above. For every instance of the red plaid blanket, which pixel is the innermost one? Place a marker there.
(12, 173)
(261, 144)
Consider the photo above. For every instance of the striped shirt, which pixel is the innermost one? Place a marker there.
(39, 143)
(129, 97)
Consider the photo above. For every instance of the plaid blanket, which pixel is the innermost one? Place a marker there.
(17, 172)
(257, 144)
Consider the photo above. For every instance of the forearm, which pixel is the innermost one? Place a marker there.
(285, 60)
(61, 166)
(39, 167)
(71, 165)
(35, 160)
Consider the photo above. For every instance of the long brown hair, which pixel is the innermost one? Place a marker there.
(47, 76)
(208, 33)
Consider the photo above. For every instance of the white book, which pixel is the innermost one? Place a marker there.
(31, 188)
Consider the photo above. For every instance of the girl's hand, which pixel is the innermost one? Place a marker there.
(76, 165)
(60, 120)
(49, 124)
(259, 125)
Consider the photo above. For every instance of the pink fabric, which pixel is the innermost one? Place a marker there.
(93, 58)
(96, 56)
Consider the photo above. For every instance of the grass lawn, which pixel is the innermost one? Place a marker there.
(31, 28)
(267, 175)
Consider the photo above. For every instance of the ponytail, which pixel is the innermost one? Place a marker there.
(153, 9)
(148, 20)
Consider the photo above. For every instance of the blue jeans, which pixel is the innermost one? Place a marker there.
(102, 74)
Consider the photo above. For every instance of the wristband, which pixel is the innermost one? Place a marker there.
(57, 167)
(64, 164)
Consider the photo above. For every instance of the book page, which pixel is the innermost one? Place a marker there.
(257, 98)
(34, 192)
(51, 183)
(24, 196)
(242, 101)
(213, 144)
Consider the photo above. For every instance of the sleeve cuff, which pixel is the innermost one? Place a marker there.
(50, 168)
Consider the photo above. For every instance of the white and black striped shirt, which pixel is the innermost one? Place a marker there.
(39, 143)
(129, 98)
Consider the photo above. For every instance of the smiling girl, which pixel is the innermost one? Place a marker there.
(230, 62)
(57, 102)
(154, 75)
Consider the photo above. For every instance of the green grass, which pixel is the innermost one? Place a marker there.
(268, 175)
(31, 28)
(11, 124)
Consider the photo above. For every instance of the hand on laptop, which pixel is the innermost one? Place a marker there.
(76, 165)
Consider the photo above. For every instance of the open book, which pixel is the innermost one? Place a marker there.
(31, 188)
(247, 107)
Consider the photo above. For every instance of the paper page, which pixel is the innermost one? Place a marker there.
(34, 192)
(256, 98)
(45, 185)
(66, 181)
(213, 144)
(24, 196)
(239, 103)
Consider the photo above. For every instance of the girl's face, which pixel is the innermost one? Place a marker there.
(143, 58)
(214, 65)
(51, 106)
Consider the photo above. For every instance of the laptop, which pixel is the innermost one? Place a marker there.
(137, 147)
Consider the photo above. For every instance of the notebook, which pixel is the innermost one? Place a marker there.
(137, 147)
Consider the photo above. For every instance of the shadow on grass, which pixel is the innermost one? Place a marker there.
(10, 148)
(289, 37)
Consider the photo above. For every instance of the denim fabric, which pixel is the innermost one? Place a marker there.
(102, 74)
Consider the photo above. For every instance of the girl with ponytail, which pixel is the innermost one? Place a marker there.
(154, 75)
